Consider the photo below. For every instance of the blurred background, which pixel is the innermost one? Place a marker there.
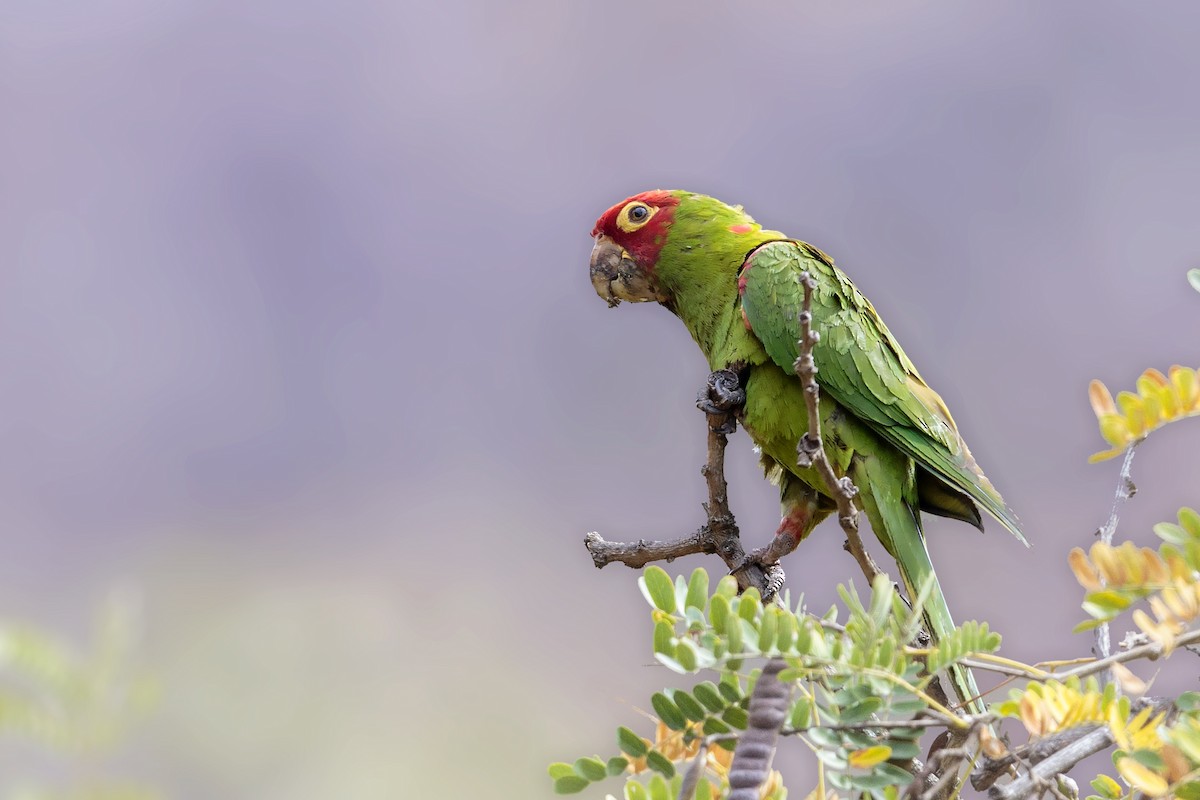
(298, 348)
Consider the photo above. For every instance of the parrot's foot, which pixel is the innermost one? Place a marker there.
(722, 394)
(772, 572)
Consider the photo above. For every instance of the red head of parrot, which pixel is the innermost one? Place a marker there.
(629, 237)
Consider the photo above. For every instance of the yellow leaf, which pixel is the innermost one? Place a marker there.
(869, 757)
(1111, 787)
(1132, 568)
(1134, 410)
(1156, 570)
(1129, 682)
(992, 747)
(1152, 411)
(1115, 430)
(1101, 399)
(1141, 777)
(1152, 378)
(1163, 633)
(1032, 715)
(1187, 388)
(1177, 764)
(1085, 573)
(1104, 556)
(1168, 401)
(1179, 605)
(1161, 611)
(1104, 455)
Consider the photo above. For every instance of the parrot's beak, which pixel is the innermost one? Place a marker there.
(616, 276)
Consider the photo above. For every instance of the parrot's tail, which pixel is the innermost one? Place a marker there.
(898, 526)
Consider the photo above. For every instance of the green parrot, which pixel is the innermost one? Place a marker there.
(734, 285)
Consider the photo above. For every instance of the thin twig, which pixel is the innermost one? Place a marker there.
(1125, 490)
(811, 452)
(1150, 651)
(720, 400)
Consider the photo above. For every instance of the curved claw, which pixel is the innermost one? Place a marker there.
(722, 395)
(772, 571)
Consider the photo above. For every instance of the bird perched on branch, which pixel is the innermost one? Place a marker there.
(736, 287)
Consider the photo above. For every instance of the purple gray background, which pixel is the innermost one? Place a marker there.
(297, 340)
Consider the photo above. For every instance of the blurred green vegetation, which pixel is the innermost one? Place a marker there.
(76, 704)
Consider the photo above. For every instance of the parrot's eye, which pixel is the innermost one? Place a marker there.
(634, 216)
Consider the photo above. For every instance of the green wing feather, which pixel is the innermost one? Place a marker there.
(860, 364)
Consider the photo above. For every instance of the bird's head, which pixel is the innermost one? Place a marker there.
(649, 245)
(629, 238)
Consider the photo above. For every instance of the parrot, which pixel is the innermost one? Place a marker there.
(735, 286)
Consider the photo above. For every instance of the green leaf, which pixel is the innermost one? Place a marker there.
(697, 592)
(670, 663)
(718, 613)
(658, 788)
(591, 768)
(681, 590)
(1188, 791)
(860, 711)
(559, 769)
(1190, 521)
(664, 632)
(801, 716)
(1188, 701)
(570, 784)
(749, 604)
(630, 742)
(668, 712)
(737, 717)
(1150, 759)
(661, 764)
(685, 654)
(1170, 532)
(768, 629)
(616, 765)
(1194, 278)
(1107, 787)
(688, 705)
(635, 791)
(658, 589)
(706, 692)
(787, 632)
(727, 587)
(712, 725)
(735, 636)
(730, 688)
(1106, 603)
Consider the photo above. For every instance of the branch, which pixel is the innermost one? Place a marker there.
(1125, 490)
(811, 452)
(1150, 651)
(720, 400)
(1052, 756)
(640, 553)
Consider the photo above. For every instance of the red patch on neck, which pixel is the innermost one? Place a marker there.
(741, 228)
(646, 242)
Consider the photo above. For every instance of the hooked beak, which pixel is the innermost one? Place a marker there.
(616, 276)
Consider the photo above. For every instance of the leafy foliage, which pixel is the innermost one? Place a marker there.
(856, 684)
(78, 704)
(1159, 399)
(1117, 577)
